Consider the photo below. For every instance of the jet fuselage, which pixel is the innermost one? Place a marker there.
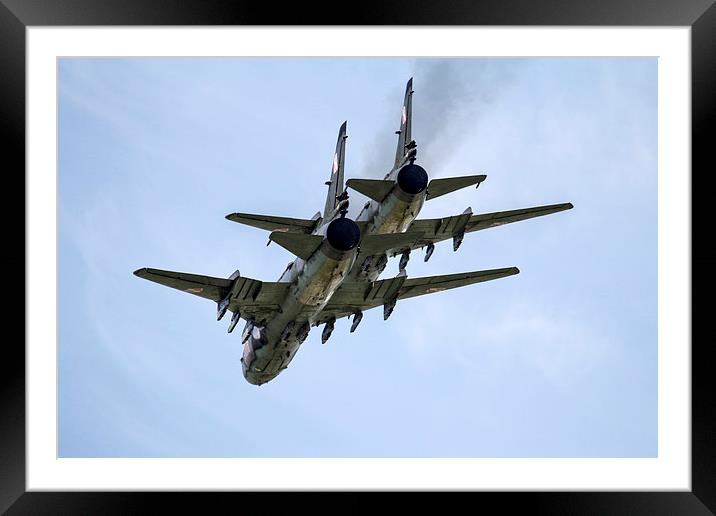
(394, 214)
(269, 346)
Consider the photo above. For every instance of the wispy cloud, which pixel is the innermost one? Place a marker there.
(560, 347)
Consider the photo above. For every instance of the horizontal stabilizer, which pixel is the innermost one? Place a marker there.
(377, 244)
(438, 187)
(376, 189)
(271, 223)
(301, 245)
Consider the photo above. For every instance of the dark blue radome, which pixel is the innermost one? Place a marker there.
(412, 179)
(343, 234)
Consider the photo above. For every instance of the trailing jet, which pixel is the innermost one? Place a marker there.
(338, 260)
(396, 200)
(279, 315)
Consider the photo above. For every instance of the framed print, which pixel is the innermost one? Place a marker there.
(586, 391)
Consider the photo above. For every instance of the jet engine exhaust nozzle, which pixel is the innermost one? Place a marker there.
(412, 179)
(343, 234)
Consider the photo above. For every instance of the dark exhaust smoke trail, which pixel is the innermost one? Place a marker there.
(453, 100)
(451, 97)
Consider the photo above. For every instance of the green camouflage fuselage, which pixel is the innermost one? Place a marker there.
(269, 346)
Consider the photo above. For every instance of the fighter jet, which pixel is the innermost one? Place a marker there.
(396, 200)
(338, 260)
(279, 315)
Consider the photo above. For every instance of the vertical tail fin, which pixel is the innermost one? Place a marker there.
(335, 185)
(406, 115)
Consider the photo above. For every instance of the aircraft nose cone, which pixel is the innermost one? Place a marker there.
(412, 179)
(343, 234)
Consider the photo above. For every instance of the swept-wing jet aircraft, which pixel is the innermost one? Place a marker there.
(279, 315)
(396, 200)
(338, 260)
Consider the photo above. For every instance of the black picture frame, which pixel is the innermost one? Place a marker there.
(700, 15)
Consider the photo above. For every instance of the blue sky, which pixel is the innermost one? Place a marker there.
(558, 361)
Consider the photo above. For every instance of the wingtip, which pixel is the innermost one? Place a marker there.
(140, 271)
(515, 270)
(569, 206)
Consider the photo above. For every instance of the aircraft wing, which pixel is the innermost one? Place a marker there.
(271, 223)
(357, 295)
(202, 286)
(437, 230)
(253, 298)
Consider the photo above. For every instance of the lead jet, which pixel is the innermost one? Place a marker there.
(279, 315)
